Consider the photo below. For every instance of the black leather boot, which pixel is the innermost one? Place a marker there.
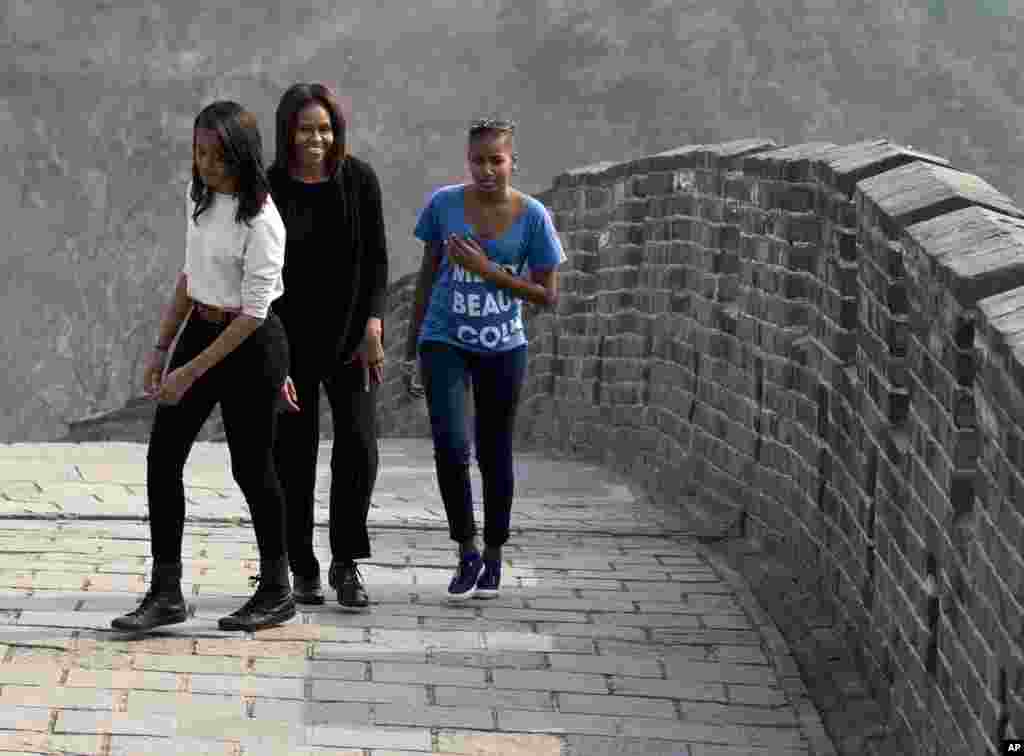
(307, 590)
(163, 604)
(271, 604)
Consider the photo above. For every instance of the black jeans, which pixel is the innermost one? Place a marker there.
(246, 385)
(497, 381)
(354, 456)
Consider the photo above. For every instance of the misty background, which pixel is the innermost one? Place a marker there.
(98, 101)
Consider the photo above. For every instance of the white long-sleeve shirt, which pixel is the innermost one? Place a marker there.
(232, 265)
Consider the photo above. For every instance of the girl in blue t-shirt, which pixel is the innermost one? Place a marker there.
(478, 240)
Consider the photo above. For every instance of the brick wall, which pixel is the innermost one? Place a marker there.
(826, 344)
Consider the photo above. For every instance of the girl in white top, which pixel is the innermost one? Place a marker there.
(232, 351)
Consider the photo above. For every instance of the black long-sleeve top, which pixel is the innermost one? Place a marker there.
(336, 262)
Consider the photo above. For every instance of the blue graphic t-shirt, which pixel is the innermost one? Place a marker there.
(464, 309)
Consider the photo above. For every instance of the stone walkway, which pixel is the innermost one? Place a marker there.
(615, 633)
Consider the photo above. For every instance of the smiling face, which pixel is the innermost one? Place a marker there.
(314, 137)
(208, 154)
(490, 161)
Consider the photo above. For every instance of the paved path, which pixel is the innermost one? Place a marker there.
(615, 632)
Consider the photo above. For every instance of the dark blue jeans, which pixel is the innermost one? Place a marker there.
(497, 380)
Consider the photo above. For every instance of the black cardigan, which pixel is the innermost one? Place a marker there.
(360, 230)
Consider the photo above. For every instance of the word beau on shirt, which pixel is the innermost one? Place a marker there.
(483, 305)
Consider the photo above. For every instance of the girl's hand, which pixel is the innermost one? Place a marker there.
(411, 378)
(175, 385)
(289, 398)
(373, 355)
(469, 255)
(153, 372)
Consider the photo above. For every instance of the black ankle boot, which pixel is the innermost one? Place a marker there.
(163, 604)
(272, 603)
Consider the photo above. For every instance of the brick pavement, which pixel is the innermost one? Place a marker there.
(616, 632)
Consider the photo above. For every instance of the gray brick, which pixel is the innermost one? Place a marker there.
(428, 674)
(728, 714)
(616, 705)
(132, 745)
(691, 691)
(721, 672)
(679, 637)
(769, 738)
(413, 739)
(29, 718)
(704, 749)
(523, 679)
(311, 713)
(480, 624)
(532, 615)
(492, 659)
(542, 641)
(117, 723)
(83, 620)
(606, 631)
(757, 695)
(250, 685)
(367, 652)
(435, 716)
(606, 665)
(517, 720)
(324, 668)
(497, 699)
(637, 619)
(370, 692)
(411, 640)
(604, 601)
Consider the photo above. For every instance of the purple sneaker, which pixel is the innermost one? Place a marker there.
(490, 578)
(463, 584)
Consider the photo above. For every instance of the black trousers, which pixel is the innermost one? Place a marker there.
(354, 456)
(246, 385)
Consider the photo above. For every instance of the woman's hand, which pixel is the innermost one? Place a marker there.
(175, 385)
(371, 354)
(289, 397)
(153, 372)
(468, 254)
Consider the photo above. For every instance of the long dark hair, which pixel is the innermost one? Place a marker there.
(243, 157)
(295, 98)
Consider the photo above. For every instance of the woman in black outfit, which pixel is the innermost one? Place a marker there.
(335, 280)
